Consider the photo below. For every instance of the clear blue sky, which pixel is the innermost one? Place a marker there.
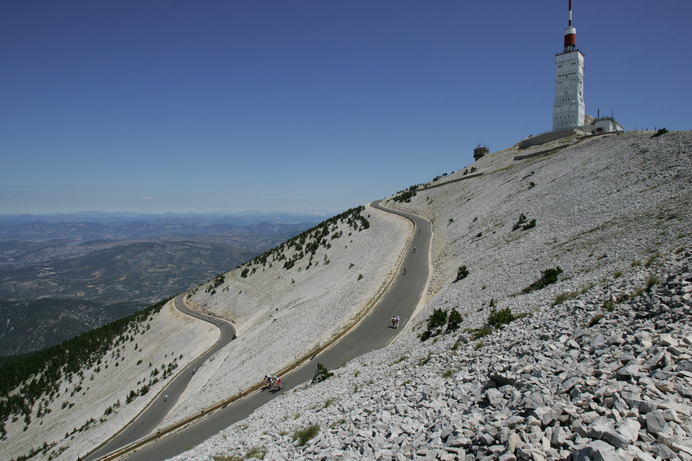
(301, 105)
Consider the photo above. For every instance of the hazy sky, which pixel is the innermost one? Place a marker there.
(300, 105)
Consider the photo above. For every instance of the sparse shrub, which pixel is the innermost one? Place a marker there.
(436, 323)
(520, 222)
(528, 226)
(479, 333)
(659, 133)
(425, 359)
(306, 434)
(448, 374)
(406, 195)
(651, 281)
(39, 373)
(501, 317)
(523, 224)
(144, 390)
(585, 289)
(256, 452)
(230, 458)
(218, 281)
(651, 259)
(308, 242)
(595, 319)
(321, 373)
(637, 292)
(562, 297)
(453, 321)
(462, 273)
(548, 276)
(131, 396)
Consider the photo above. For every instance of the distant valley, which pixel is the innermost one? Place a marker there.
(59, 278)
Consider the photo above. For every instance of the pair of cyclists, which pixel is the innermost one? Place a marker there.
(272, 382)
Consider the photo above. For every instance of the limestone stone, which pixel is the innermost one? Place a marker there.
(655, 422)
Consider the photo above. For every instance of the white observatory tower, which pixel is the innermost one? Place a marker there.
(568, 109)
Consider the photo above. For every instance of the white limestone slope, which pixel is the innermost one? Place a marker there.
(282, 314)
(600, 205)
(611, 212)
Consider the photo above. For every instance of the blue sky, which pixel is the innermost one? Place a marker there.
(302, 106)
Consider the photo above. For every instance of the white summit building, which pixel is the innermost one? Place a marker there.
(568, 109)
(569, 113)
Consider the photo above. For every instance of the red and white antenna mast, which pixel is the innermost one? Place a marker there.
(570, 33)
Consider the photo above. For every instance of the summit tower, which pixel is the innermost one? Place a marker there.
(568, 108)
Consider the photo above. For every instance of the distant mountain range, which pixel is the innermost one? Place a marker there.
(121, 218)
(88, 272)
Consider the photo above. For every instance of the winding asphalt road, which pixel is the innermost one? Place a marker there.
(373, 332)
(152, 416)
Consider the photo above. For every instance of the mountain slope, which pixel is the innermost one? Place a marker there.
(312, 285)
(613, 214)
(291, 301)
(609, 211)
